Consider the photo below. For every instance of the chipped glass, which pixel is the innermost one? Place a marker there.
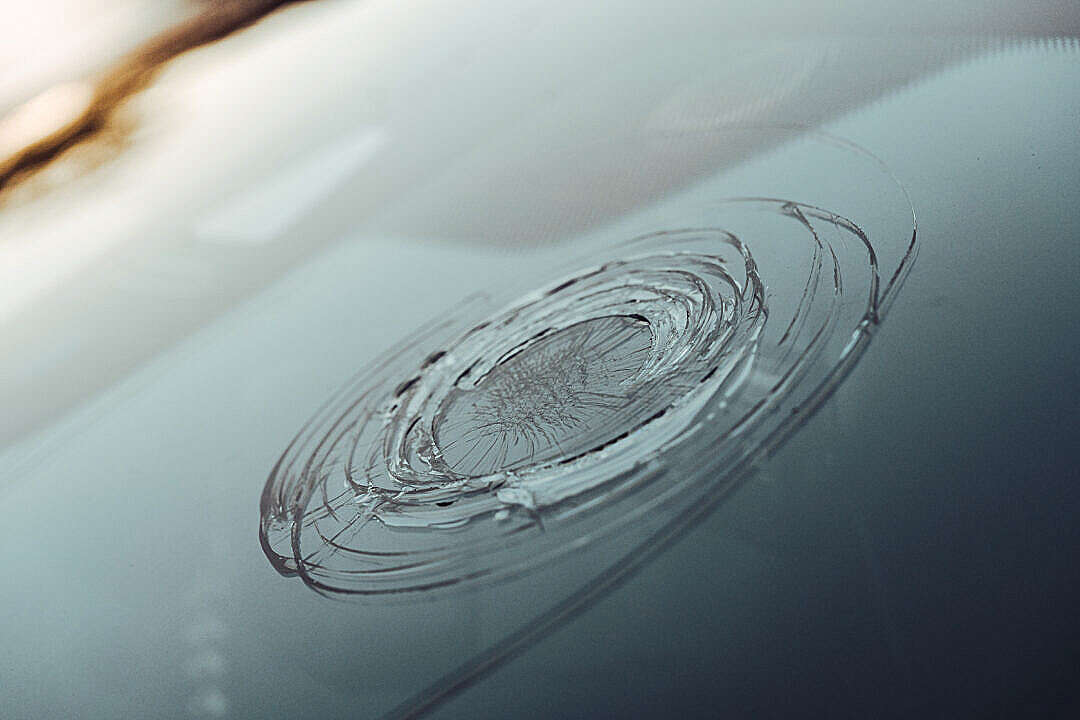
(630, 389)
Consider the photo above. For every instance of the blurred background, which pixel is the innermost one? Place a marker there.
(196, 197)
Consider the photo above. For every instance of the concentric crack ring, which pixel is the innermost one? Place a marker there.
(478, 451)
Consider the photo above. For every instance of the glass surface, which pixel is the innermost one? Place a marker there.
(911, 549)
